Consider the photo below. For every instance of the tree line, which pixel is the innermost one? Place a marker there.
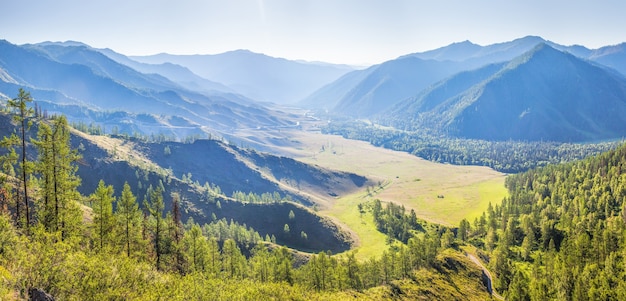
(504, 156)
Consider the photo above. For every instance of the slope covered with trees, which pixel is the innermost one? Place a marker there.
(95, 247)
(561, 232)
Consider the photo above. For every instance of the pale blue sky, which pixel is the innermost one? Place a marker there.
(338, 31)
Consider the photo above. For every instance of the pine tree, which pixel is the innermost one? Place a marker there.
(57, 209)
(103, 213)
(129, 217)
(22, 116)
(155, 208)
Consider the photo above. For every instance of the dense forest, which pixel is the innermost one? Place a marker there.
(561, 232)
(504, 156)
(55, 241)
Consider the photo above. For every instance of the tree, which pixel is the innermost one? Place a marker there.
(22, 116)
(103, 212)
(155, 208)
(59, 182)
(233, 261)
(292, 215)
(7, 162)
(177, 231)
(129, 217)
(196, 248)
(464, 229)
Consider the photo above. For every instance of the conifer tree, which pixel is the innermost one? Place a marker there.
(155, 207)
(129, 217)
(58, 180)
(103, 213)
(22, 114)
(44, 142)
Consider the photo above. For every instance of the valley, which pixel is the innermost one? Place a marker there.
(406, 179)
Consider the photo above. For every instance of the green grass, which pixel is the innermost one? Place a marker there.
(371, 241)
(440, 193)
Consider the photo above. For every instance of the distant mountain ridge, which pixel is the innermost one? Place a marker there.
(544, 94)
(365, 93)
(67, 76)
(257, 76)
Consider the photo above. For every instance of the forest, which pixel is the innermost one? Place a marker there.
(98, 246)
(559, 234)
(504, 156)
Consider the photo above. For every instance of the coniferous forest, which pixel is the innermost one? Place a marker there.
(55, 241)
(560, 234)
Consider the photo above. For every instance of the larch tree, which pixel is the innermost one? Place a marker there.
(22, 114)
(103, 220)
(57, 208)
(129, 218)
(65, 181)
(155, 207)
(44, 166)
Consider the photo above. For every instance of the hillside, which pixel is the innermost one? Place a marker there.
(117, 161)
(562, 224)
(544, 94)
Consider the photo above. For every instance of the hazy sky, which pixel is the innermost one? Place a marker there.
(338, 31)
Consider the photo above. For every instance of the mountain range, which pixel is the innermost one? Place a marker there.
(544, 94)
(526, 89)
(516, 89)
(121, 95)
(255, 75)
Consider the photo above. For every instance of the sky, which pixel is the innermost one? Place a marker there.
(357, 32)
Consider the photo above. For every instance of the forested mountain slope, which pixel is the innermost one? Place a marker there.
(561, 232)
(544, 94)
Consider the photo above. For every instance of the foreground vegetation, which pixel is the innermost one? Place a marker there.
(77, 247)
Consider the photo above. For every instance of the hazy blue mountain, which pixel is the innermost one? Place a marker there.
(176, 73)
(328, 96)
(78, 76)
(257, 76)
(391, 82)
(405, 114)
(481, 55)
(364, 93)
(612, 56)
(545, 94)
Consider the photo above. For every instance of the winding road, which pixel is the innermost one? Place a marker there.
(489, 278)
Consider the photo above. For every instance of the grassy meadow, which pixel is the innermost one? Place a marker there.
(440, 193)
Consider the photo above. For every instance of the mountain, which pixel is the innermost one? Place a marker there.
(257, 76)
(364, 93)
(544, 94)
(612, 56)
(176, 73)
(65, 77)
(481, 55)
